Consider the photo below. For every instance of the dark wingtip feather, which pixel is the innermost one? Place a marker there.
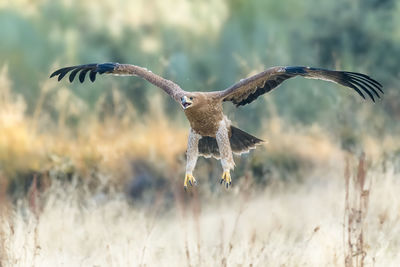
(53, 74)
(367, 84)
(73, 74)
(367, 79)
(356, 89)
(57, 72)
(61, 76)
(356, 84)
(92, 75)
(364, 82)
(82, 75)
(93, 68)
(63, 73)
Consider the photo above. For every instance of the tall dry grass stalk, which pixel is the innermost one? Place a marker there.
(5, 213)
(196, 212)
(35, 209)
(357, 193)
(150, 227)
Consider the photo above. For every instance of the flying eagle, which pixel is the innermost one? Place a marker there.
(211, 132)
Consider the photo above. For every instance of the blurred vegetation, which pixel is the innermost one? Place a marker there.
(201, 45)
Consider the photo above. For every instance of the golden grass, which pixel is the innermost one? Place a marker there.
(357, 190)
(33, 143)
(109, 142)
(105, 145)
(285, 225)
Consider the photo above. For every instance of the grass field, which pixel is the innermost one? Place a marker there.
(283, 225)
(73, 196)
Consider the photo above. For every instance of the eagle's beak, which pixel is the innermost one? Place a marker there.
(185, 102)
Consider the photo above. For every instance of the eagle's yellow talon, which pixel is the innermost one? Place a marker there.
(226, 179)
(189, 179)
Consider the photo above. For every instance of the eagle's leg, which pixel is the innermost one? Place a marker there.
(192, 154)
(225, 152)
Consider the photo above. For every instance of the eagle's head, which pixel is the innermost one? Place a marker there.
(188, 101)
(193, 99)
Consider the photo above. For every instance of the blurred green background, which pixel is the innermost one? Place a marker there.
(209, 45)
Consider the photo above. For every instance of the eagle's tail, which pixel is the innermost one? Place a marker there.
(241, 142)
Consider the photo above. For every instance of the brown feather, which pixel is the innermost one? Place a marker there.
(248, 90)
(240, 141)
(204, 114)
(168, 86)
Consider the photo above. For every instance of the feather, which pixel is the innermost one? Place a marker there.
(248, 90)
(73, 74)
(82, 75)
(240, 141)
(120, 70)
(92, 75)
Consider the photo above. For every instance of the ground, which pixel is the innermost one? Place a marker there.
(283, 225)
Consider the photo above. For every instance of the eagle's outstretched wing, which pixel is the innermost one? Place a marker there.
(168, 86)
(247, 90)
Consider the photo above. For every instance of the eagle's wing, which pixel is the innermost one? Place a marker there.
(168, 86)
(247, 90)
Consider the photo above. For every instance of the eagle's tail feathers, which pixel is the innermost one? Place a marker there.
(241, 142)
(208, 147)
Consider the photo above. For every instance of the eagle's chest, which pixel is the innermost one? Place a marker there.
(205, 119)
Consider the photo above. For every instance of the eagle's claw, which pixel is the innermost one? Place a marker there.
(189, 179)
(226, 179)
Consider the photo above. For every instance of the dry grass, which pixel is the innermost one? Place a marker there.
(356, 208)
(75, 161)
(285, 225)
(106, 142)
(37, 144)
(72, 223)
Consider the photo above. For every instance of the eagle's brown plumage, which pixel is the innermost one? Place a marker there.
(211, 131)
(247, 90)
(168, 86)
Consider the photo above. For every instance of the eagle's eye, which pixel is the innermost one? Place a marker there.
(191, 98)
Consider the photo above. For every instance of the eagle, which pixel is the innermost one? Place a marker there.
(211, 132)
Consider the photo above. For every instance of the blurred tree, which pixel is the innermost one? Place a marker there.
(208, 46)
